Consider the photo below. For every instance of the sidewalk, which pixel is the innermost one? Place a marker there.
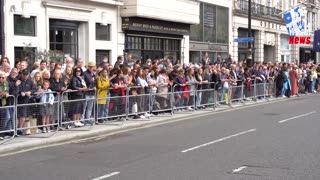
(36, 141)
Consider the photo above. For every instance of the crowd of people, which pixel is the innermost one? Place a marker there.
(165, 86)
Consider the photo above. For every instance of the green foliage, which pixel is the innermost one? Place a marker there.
(40, 54)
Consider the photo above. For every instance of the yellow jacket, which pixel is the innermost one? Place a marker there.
(102, 89)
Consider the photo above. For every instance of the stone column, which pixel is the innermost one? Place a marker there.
(259, 46)
(294, 49)
(185, 46)
(235, 44)
(277, 47)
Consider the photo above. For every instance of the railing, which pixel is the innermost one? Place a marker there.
(258, 9)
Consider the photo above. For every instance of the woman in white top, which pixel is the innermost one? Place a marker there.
(163, 83)
(152, 83)
(192, 82)
(143, 97)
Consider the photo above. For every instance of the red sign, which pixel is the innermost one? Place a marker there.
(300, 40)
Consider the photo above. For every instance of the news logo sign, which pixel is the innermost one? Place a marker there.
(299, 40)
(295, 27)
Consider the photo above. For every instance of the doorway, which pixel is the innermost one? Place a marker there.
(64, 37)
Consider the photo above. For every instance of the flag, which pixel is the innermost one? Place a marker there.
(316, 41)
(294, 22)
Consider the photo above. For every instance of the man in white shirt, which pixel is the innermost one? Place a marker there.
(68, 62)
(79, 64)
(43, 67)
(6, 68)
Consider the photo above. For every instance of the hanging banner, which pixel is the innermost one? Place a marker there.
(294, 22)
(316, 41)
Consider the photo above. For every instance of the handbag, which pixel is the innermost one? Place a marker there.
(185, 93)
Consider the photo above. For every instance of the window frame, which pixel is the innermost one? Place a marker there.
(109, 26)
(64, 25)
(34, 33)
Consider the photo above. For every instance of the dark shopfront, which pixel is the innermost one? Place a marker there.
(306, 54)
(153, 39)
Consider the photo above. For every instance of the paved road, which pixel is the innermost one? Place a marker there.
(273, 141)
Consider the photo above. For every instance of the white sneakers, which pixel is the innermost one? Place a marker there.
(46, 129)
(78, 124)
(142, 116)
(147, 115)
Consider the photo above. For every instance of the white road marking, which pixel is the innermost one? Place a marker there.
(106, 176)
(219, 140)
(239, 169)
(302, 115)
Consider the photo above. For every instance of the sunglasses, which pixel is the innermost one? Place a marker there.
(78, 70)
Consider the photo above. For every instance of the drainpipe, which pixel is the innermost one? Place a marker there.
(2, 36)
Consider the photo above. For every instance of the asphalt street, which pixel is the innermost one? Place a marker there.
(276, 141)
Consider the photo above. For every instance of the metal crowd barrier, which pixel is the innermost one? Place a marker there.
(162, 103)
(236, 92)
(260, 90)
(139, 102)
(81, 109)
(7, 119)
(222, 95)
(249, 90)
(112, 107)
(270, 89)
(183, 97)
(205, 96)
(37, 113)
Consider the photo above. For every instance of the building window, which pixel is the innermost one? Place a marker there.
(195, 56)
(242, 33)
(134, 42)
(222, 28)
(26, 54)
(196, 32)
(152, 48)
(64, 37)
(284, 42)
(24, 26)
(209, 23)
(313, 24)
(213, 25)
(152, 44)
(101, 55)
(103, 32)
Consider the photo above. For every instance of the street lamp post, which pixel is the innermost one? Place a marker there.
(249, 56)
